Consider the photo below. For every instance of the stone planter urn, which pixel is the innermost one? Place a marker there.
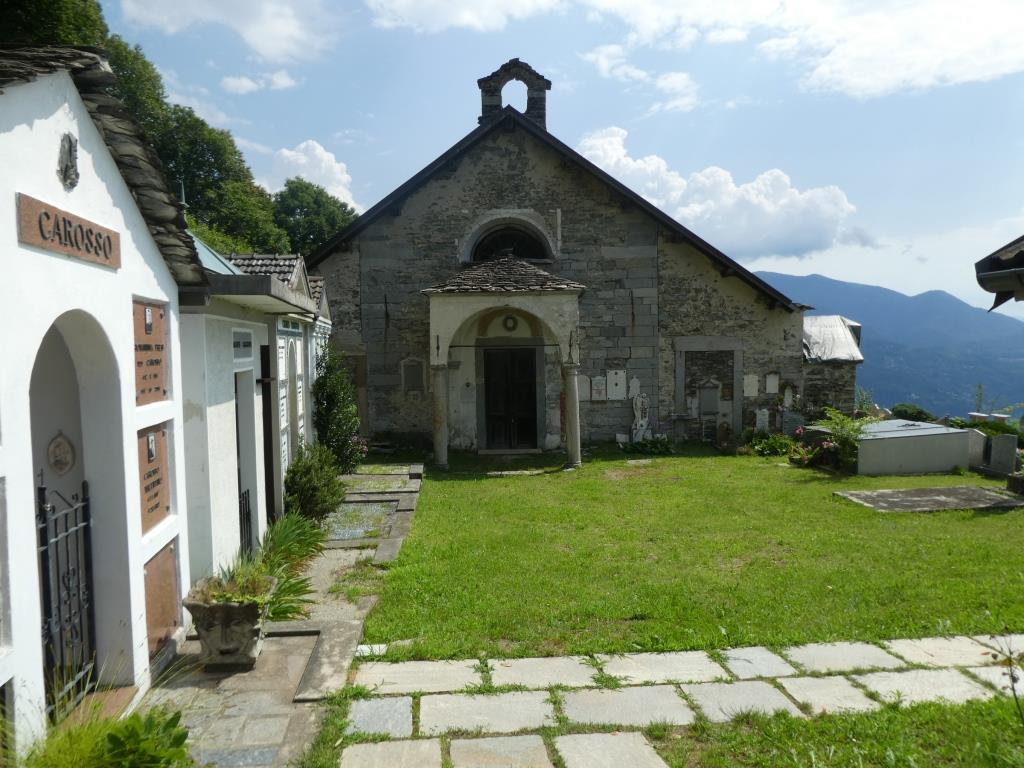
(1015, 483)
(230, 634)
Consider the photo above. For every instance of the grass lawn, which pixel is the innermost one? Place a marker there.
(698, 551)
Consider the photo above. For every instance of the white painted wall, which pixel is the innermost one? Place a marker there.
(38, 288)
(914, 455)
(209, 407)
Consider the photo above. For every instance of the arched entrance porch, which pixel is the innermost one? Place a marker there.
(504, 361)
(78, 467)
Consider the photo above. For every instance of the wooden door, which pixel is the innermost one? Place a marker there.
(510, 404)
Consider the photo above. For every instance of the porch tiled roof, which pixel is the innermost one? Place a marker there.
(281, 266)
(316, 288)
(504, 275)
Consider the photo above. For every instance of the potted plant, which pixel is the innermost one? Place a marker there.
(229, 611)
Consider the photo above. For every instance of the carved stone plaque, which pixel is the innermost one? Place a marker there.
(616, 385)
(60, 454)
(150, 352)
(598, 388)
(154, 481)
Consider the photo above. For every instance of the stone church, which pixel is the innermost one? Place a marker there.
(512, 296)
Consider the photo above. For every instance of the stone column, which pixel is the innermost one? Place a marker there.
(439, 376)
(572, 413)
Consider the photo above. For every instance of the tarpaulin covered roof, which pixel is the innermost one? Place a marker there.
(831, 339)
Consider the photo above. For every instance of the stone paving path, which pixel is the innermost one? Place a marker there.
(488, 708)
(268, 717)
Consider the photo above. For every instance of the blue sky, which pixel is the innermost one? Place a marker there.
(878, 142)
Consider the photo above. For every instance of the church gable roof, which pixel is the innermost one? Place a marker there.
(504, 275)
(509, 116)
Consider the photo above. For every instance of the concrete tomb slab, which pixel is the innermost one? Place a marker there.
(941, 651)
(919, 685)
(684, 667)
(828, 694)
(933, 499)
(503, 713)
(393, 754)
(607, 750)
(500, 752)
(999, 678)
(639, 706)
(391, 715)
(748, 663)
(722, 702)
(571, 671)
(374, 649)
(842, 657)
(1004, 643)
(412, 676)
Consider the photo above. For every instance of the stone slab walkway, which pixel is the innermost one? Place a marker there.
(451, 697)
(934, 499)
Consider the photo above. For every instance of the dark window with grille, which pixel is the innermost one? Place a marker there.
(510, 241)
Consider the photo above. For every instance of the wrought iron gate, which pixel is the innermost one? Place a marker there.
(245, 521)
(65, 569)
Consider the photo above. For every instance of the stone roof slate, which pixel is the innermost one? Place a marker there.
(135, 158)
(316, 288)
(279, 265)
(504, 275)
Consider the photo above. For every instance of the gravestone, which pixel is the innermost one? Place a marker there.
(761, 420)
(583, 386)
(792, 421)
(616, 385)
(598, 388)
(1003, 458)
(750, 385)
(634, 387)
(975, 448)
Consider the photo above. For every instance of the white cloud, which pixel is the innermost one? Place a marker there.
(767, 215)
(196, 97)
(243, 84)
(680, 89)
(911, 264)
(253, 146)
(240, 85)
(276, 30)
(610, 61)
(863, 48)
(437, 15)
(314, 163)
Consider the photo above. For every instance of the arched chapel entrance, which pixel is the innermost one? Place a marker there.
(82, 536)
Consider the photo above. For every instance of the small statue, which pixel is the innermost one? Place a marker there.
(641, 418)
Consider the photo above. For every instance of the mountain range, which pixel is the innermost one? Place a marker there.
(931, 349)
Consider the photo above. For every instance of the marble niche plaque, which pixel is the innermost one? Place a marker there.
(598, 388)
(617, 385)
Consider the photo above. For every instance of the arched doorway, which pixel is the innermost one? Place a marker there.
(78, 466)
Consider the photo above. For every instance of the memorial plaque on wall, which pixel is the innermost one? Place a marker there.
(617, 385)
(150, 352)
(163, 596)
(44, 226)
(154, 480)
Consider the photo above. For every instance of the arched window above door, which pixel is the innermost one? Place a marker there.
(510, 241)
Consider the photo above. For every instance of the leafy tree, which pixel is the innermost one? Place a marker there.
(911, 412)
(223, 244)
(243, 209)
(139, 85)
(309, 214)
(52, 22)
(335, 413)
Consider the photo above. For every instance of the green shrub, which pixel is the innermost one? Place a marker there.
(772, 444)
(335, 413)
(991, 428)
(155, 739)
(312, 487)
(288, 545)
(844, 436)
(911, 412)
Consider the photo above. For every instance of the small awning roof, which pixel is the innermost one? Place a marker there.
(831, 339)
(504, 275)
(1002, 272)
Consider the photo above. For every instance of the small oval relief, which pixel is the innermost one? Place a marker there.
(60, 454)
